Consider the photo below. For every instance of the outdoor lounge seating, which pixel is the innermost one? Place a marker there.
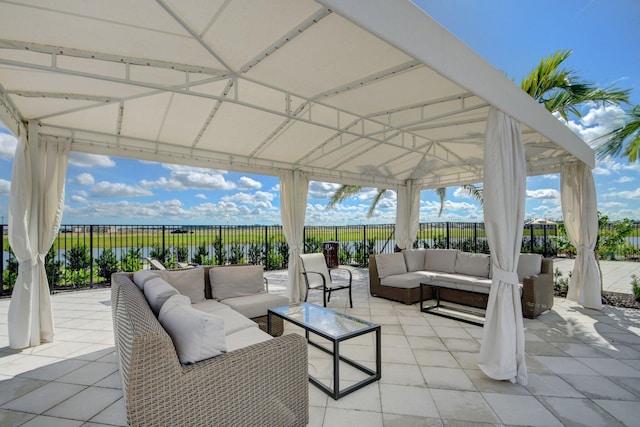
(318, 276)
(253, 378)
(462, 277)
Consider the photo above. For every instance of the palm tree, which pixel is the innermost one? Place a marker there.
(561, 91)
(628, 132)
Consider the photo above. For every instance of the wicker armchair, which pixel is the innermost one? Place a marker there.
(262, 384)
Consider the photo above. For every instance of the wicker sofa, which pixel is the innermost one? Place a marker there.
(463, 278)
(260, 380)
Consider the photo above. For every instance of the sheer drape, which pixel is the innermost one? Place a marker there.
(580, 213)
(502, 349)
(294, 187)
(35, 212)
(407, 215)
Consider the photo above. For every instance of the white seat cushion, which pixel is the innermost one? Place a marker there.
(196, 335)
(233, 321)
(255, 305)
(313, 264)
(245, 338)
(406, 280)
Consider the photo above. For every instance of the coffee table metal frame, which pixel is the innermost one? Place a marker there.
(434, 309)
(335, 339)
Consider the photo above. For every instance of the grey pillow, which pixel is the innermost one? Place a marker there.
(140, 277)
(189, 282)
(473, 264)
(157, 291)
(443, 260)
(414, 258)
(196, 335)
(236, 281)
(529, 265)
(390, 264)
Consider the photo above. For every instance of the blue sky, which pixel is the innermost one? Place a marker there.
(511, 35)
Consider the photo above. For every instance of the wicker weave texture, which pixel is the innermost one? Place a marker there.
(262, 384)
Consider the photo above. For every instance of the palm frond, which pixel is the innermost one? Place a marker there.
(442, 194)
(628, 132)
(375, 201)
(342, 194)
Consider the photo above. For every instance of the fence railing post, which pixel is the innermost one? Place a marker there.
(448, 235)
(2, 259)
(91, 255)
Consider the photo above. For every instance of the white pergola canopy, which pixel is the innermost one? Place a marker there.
(369, 93)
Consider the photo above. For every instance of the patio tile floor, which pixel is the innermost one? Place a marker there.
(584, 368)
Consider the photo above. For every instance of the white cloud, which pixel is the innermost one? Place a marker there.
(635, 194)
(8, 144)
(84, 160)
(111, 189)
(624, 179)
(201, 196)
(78, 199)
(322, 190)
(597, 122)
(5, 187)
(187, 177)
(543, 194)
(157, 211)
(85, 179)
(246, 183)
(260, 199)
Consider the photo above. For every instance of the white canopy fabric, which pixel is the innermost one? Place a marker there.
(407, 215)
(294, 187)
(35, 212)
(579, 209)
(502, 354)
(263, 87)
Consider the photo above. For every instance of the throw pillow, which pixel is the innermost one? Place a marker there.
(529, 265)
(414, 258)
(189, 282)
(473, 264)
(236, 281)
(157, 291)
(443, 260)
(196, 335)
(140, 277)
(390, 264)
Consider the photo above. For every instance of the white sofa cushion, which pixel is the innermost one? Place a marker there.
(406, 280)
(443, 260)
(246, 337)
(189, 282)
(196, 335)
(236, 281)
(414, 259)
(472, 264)
(529, 265)
(157, 291)
(390, 264)
(255, 305)
(233, 321)
(140, 277)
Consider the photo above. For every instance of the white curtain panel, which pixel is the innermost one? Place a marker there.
(502, 350)
(35, 212)
(580, 212)
(407, 215)
(294, 188)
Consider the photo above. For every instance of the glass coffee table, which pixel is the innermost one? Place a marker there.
(335, 327)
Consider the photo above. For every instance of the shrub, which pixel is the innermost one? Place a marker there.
(201, 254)
(78, 261)
(635, 286)
(131, 260)
(107, 264)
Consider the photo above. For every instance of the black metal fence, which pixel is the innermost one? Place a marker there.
(86, 255)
